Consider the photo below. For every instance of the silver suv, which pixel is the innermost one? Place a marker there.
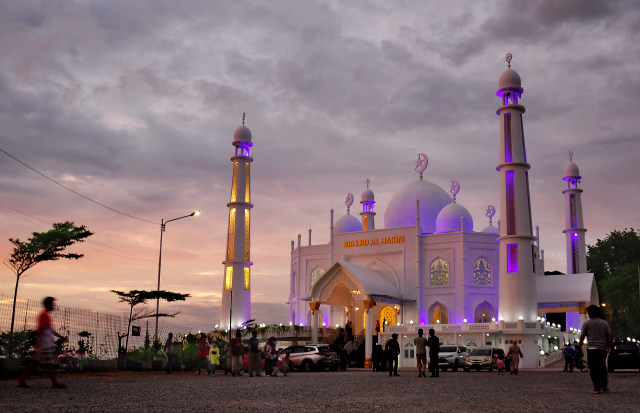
(453, 357)
(309, 357)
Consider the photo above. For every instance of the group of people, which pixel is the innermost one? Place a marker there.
(595, 329)
(573, 357)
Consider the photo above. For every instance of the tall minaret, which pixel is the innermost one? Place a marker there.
(368, 202)
(517, 280)
(236, 286)
(574, 232)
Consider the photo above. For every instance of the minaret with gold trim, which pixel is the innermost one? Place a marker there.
(236, 284)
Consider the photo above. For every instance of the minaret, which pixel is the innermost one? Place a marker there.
(517, 280)
(367, 201)
(574, 232)
(236, 287)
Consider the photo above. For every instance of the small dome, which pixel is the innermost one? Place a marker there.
(401, 211)
(242, 134)
(448, 220)
(510, 79)
(347, 223)
(491, 229)
(571, 171)
(367, 195)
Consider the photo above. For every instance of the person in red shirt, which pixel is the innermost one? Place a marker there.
(45, 347)
(203, 353)
(236, 350)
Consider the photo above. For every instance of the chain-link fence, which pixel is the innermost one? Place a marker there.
(104, 327)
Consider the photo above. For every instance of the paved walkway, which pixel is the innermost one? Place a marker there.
(350, 391)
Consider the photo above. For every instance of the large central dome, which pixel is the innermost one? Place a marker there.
(401, 211)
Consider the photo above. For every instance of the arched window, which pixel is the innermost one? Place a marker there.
(439, 274)
(438, 314)
(387, 317)
(481, 272)
(316, 274)
(484, 313)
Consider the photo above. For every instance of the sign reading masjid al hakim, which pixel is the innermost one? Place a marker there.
(374, 241)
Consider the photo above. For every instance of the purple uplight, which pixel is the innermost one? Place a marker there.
(512, 257)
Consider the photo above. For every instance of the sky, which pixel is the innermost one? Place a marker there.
(134, 105)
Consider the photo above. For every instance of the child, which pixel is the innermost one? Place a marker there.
(214, 357)
(500, 363)
(287, 364)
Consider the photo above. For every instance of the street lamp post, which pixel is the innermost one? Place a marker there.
(163, 226)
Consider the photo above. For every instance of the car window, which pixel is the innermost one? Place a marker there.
(287, 350)
(324, 349)
(463, 349)
(448, 349)
(625, 347)
(299, 349)
(308, 349)
(481, 352)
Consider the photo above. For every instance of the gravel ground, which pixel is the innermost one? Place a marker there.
(350, 391)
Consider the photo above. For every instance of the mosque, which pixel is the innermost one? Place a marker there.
(430, 266)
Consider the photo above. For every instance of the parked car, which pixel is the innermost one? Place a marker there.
(452, 357)
(310, 357)
(624, 355)
(483, 358)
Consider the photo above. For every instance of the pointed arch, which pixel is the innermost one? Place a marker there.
(482, 272)
(439, 273)
(387, 317)
(484, 313)
(438, 314)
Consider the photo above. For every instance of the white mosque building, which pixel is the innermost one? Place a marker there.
(431, 267)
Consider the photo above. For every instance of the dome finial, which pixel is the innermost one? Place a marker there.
(244, 115)
(349, 201)
(491, 211)
(421, 163)
(455, 188)
(508, 59)
(570, 156)
(368, 181)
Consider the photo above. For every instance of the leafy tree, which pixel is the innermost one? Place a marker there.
(135, 297)
(615, 261)
(43, 246)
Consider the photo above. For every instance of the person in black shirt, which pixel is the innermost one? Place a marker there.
(434, 348)
(392, 349)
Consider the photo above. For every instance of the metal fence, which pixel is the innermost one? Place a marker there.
(69, 321)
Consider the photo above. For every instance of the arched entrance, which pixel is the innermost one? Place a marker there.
(387, 317)
(484, 313)
(438, 313)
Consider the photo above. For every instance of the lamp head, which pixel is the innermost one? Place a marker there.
(195, 213)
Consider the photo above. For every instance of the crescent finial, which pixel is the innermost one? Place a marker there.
(508, 59)
(421, 164)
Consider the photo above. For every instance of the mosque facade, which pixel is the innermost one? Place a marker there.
(430, 267)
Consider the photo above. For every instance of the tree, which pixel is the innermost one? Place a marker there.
(43, 246)
(614, 261)
(135, 297)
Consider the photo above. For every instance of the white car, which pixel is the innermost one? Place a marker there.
(453, 357)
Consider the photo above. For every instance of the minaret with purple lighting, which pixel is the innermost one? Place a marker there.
(518, 299)
(367, 214)
(236, 284)
(574, 226)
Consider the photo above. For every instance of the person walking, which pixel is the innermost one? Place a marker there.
(270, 356)
(203, 353)
(600, 340)
(434, 348)
(235, 354)
(514, 355)
(168, 348)
(45, 347)
(254, 354)
(421, 353)
(568, 354)
(214, 357)
(392, 348)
